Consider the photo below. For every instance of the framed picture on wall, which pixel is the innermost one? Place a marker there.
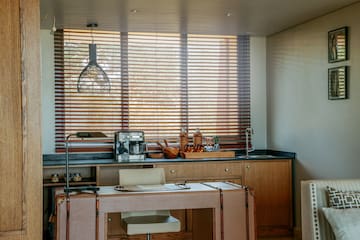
(337, 83)
(338, 45)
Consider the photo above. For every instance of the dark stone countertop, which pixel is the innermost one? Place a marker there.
(107, 158)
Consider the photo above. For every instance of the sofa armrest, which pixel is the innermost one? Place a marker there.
(308, 218)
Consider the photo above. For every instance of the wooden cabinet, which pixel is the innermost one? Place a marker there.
(271, 180)
(272, 183)
(203, 171)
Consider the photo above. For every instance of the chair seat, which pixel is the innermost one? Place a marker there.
(150, 224)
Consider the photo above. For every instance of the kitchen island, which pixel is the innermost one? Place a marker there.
(269, 173)
(227, 204)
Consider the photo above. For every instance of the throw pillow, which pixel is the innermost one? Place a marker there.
(343, 199)
(345, 223)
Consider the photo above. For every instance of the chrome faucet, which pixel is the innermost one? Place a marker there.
(247, 132)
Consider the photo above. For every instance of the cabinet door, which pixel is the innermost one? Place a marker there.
(20, 144)
(272, 183)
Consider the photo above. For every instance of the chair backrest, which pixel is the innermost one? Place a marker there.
(143, 176)
(313, 198)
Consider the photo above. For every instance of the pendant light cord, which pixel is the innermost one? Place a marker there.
(91, 26)
(92, 35)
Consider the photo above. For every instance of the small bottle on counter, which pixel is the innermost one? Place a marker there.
(197, 137)
(183, 139)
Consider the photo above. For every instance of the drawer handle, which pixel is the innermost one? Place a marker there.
(172, 171)
(109, 219)
(226, 169)
(247, 167)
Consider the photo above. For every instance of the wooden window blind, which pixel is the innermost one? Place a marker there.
(159, 84)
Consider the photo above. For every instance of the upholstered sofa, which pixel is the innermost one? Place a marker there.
(314, 197)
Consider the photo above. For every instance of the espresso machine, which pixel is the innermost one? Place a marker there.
(129, 146)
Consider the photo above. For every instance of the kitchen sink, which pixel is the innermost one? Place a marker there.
(258, 156)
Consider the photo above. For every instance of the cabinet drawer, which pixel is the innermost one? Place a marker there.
(203, 171)
(223, 170)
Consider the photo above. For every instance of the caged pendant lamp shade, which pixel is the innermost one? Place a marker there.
(93, 78)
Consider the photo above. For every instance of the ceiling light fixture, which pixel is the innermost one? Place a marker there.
(93, 79)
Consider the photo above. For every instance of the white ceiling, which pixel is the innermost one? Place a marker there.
(254, 17)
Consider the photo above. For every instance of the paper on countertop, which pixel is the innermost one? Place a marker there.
(152, 188)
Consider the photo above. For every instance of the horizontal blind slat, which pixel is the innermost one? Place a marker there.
(160, 83)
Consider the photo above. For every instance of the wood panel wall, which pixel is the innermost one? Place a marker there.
(11, 124)
(20, 134)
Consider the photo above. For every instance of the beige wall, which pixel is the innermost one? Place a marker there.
(47, 91)
(258, 91)
(325, 134)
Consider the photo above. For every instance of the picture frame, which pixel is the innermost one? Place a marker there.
(338, 45)
(337, 83)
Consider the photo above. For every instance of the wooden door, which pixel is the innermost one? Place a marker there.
(271, 181)
(20, 134)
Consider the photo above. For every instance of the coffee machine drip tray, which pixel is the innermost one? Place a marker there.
(130, 157)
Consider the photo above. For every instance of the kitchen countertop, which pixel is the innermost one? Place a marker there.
(107, 158)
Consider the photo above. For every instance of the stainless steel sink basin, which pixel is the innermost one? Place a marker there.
(259, 156)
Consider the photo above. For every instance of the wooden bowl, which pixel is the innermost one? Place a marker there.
(171, 152)
(156, 155)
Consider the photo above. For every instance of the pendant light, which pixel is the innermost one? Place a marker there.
(92, 78)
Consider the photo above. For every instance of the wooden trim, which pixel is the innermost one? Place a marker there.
(31, 102)
(11, 167)
(14, 234)
(20, 53)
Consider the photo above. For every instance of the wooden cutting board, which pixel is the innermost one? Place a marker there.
(199, 155)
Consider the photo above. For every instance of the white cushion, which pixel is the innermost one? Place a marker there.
(345, 223)
(151, 224)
